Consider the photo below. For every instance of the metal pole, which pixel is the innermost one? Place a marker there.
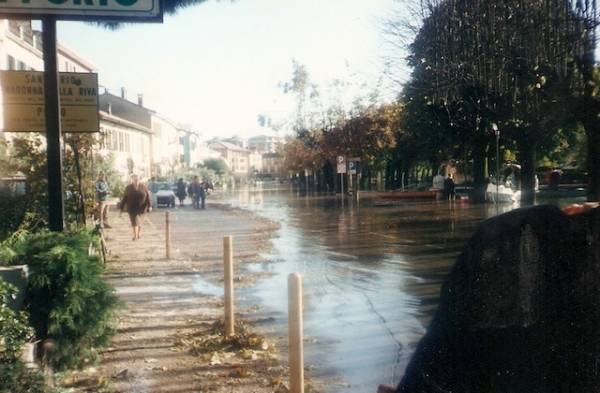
(296, 348)
(168, 235)
(228, 280)
(53, 134)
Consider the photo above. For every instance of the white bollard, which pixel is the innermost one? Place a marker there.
(295, 332)
(228, 284)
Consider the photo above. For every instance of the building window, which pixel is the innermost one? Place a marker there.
(21, 66)
(120, 136)
(10, 62)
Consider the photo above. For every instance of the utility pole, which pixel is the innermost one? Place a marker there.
(53, 130)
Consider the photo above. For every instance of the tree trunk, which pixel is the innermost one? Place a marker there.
(590, 116)
(527, 154)
(81, 199)
(593, 161)
(480, 170)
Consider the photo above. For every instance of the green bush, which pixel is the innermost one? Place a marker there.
(14, 332)
(12, 211)
(66, 297)
(16, 378)
(14, 328)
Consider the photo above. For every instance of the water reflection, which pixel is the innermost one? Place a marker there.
(371, 275)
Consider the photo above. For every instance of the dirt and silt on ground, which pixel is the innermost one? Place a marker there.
(169, 336)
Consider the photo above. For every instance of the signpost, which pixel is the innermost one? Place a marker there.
(49, 11)
(341, 169)
(23, 101)
(352, 167)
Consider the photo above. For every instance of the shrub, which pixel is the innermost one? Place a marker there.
(66, 297)
(14, 332)
(12, 211)
(14, 329)
(16, 378)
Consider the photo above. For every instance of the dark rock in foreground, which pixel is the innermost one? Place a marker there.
(520, 311)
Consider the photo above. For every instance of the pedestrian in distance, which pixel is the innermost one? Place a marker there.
(101, 211)
(181, 194)
(449, 193)
(136, 200)
(198, 193)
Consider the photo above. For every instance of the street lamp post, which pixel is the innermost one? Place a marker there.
(497, 133)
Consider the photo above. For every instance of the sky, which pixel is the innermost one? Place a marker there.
(218, 65)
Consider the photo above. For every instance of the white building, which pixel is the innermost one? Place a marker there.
(236, 157)
(265, 143)
(21, 49)
(128, 142)
(167, 149)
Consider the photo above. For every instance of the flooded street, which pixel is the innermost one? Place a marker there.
(371, 277)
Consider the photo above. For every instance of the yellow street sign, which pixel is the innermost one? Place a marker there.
(22, 95)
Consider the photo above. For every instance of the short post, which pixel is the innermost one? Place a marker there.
(228, 280)
(296, 348)
(168, 235)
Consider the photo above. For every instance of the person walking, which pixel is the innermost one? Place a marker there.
(181, 194)
(449, 186)
(136, 200)
(198, 193)
(101, 212)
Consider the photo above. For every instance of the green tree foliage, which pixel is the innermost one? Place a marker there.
(67, 299)
(369, 135)
(26, 155)
(510, 63)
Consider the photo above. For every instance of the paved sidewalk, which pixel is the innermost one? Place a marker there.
(166, 298)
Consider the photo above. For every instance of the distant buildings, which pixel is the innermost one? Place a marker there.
(264, 143)
(236, 157)
(140, 139)
(272, 166)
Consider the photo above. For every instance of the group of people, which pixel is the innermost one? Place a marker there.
(446, 185)
(197, 191)
(136, 199)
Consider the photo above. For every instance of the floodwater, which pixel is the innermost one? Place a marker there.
(371, 276)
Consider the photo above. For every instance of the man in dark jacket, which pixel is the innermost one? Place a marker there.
(197, 192)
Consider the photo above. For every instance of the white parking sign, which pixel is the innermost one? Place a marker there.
(341, 164)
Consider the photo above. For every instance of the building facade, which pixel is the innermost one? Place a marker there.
(21, 49)
(265, 143)
(128, 143)
(236, 157)
(272, 166)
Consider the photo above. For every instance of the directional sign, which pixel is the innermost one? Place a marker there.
(352, 167)
(84, 9)
(23, 101)
(341, 164)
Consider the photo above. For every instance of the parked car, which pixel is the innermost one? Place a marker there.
(163, 194)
